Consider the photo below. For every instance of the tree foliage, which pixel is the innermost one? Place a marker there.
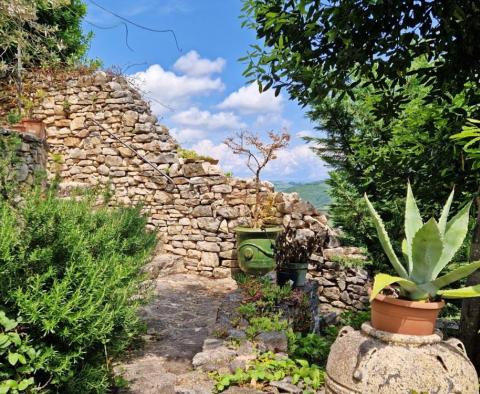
(390, 82)
(377, 156)
(42, 32)
(314, 48)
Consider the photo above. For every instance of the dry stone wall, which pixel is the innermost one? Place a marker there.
(32, 154)
(92, 122)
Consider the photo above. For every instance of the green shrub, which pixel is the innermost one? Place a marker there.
(247, 310)
(192, 155)
(18, 359)
(266, 324)
(354, 319)
(311, 347)
(267, 367)
(72, 270)
(13, 117)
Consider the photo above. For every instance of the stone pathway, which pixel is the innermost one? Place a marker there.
(179, 318)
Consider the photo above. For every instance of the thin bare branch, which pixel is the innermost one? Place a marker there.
(258, 154)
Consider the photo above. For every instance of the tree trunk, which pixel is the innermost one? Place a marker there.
(470, 321)
(256, 212)
(19, 79)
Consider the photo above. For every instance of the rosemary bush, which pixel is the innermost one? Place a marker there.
(72, 271)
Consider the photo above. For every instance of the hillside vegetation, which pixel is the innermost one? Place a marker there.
(315, 192)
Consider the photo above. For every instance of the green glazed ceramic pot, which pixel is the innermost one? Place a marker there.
(255, 249)
(297, 273)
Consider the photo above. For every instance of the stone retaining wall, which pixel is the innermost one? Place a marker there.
(32, 154)
(194, 206)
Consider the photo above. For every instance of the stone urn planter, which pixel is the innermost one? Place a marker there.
(255, 249)
(374, 361)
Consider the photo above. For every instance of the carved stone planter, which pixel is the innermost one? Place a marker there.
(373, 361)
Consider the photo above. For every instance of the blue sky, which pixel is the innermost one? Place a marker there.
(199, 92)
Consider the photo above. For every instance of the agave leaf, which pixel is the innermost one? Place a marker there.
(385, 240)
(383, 280)
(413, 222)
(466, 292)
(427, 247)
(455, 233)
(442, 223)
(404, 249)
(456, 274)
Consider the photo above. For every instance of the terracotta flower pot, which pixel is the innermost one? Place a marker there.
(405, 317)
(34, 126)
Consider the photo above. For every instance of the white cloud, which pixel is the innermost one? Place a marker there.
(194, 65)
(167, 89)
(305, 133)
(194, 117)
(187, 135)
(272, 121)
(248, 100)
(228, 161)
(296, 163)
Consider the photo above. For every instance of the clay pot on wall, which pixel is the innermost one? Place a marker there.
(403, 316)
(32, 126)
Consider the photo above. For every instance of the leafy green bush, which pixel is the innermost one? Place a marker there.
(72, 270)
(311, 347)
(247, 310)
(354, 319)
(18, 359)
(268, 367)
(266, 324)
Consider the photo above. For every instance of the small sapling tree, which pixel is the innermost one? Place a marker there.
(259, 154)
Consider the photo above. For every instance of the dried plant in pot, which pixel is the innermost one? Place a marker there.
(255, 242)
(418, 288)
(293, 250)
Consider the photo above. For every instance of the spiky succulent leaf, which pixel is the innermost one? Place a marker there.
(427, 247)
(383, 280)
(413, 222)
(442, 223)
(466, 292)
(404, 249)
(385, 240)
(455, 232)
(456, 274)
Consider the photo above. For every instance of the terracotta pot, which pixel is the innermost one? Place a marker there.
(16, 127)
(34, 126)
(405, 317)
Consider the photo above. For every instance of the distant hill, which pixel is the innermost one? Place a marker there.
(315, 192)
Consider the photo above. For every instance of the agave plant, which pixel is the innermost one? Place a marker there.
(427, 249)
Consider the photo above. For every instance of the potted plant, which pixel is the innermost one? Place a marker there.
(292, 254)
(20, 40)
(254, 242)
(413, 305)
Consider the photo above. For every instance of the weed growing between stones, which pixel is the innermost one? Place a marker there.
(262, 312)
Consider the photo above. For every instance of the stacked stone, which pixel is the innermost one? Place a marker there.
(340, 287)
(32, 156)
(194, 206)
